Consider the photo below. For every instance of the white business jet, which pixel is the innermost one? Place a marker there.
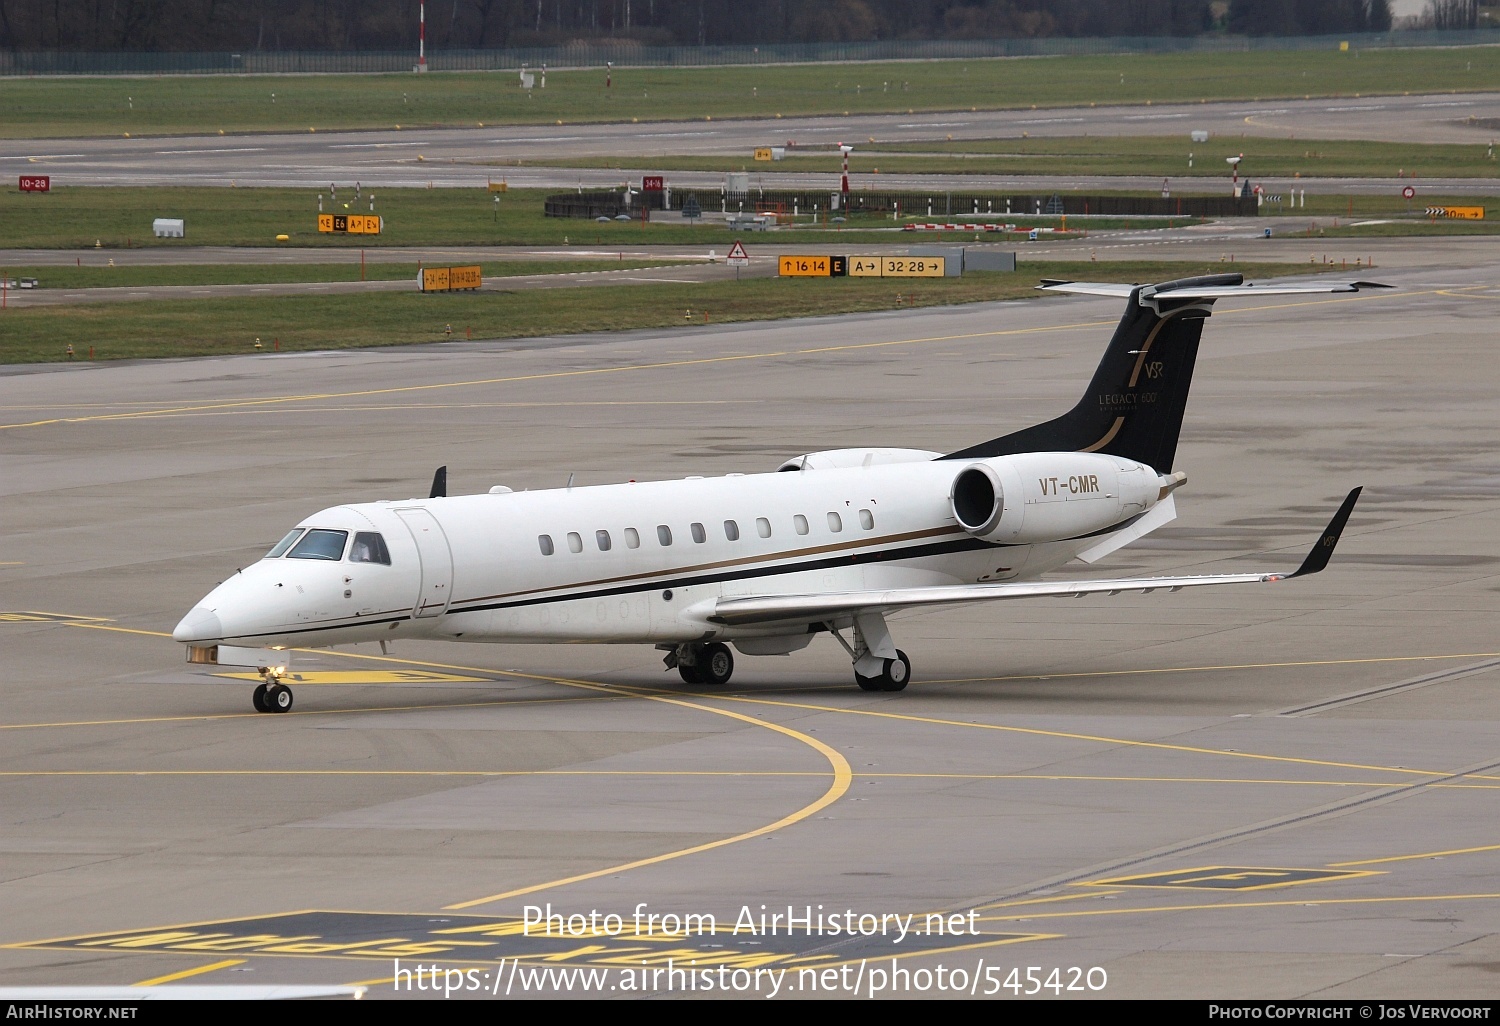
(832, 542)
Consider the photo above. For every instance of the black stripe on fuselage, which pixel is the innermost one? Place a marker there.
(965, 544)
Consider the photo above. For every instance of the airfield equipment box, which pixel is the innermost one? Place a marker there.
(167, 227)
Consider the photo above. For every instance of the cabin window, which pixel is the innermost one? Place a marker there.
(544, 542)
(731, 530)
(800, 523)
(632, 538)
(320, 545)
(575, 543)
(835, 523)
(284, 544)
(867, 520)
(763, 527)
(601, 538)
(369, 547)
(664, 534)
(699, 534)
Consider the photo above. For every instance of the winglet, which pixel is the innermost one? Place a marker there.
(440, 483)
(1322, 550)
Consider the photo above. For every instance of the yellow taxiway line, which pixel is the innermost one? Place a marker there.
(174, 977)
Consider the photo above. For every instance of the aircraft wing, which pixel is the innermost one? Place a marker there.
(812, 608)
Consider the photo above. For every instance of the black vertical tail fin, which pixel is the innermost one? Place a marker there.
(1135, 403)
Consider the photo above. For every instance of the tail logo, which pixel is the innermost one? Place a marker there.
(1155, 369)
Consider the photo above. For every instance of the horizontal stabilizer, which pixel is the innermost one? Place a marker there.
(1148, 293)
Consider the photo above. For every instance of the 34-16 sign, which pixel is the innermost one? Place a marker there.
(36, 183)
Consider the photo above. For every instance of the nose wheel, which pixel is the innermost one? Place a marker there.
(271, 696)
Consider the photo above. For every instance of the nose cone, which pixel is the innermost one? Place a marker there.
(200, 624)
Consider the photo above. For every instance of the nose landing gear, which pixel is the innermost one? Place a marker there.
(271, 696)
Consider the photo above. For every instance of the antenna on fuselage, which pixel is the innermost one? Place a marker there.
(440, 484)
(570, 481)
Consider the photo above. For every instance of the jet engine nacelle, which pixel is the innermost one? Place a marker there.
(1052, 496)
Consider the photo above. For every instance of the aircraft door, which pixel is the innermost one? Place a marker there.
(436, 559)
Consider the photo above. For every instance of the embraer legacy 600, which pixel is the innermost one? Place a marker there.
(833, 541)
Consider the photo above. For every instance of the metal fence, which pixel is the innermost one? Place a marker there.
(625, 54)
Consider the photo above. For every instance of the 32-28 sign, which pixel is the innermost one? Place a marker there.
(36, 183)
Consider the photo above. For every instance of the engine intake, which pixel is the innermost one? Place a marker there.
(978, 499)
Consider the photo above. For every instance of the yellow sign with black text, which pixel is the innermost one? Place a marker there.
(350, 224)
(763, 153)
(468, 277)
(803, 267)
(896, 267)
(912, 267)
(452, 279)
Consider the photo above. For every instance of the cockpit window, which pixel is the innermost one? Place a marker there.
(284, 544)
(320, 545)
(369, 548)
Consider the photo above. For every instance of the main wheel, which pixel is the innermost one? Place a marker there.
(867, 683)
(690, 674)
(716, 664)
(278, 698)
(896, 673)
(258, 699)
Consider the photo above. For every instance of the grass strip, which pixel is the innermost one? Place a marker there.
(141, 275)
(181, 328)
(76, 106)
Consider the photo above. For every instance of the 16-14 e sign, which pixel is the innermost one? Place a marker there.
(812, 266)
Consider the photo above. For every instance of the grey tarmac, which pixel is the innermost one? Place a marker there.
(466, 157)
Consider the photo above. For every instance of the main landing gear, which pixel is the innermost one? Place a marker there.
(271, 696)
(711, 664)
(878, 664)
(894, 673)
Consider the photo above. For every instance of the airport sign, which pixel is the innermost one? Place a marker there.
(451, 279)
(36, 183)
(896, 267)
(351, 224)
(1457, 213)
